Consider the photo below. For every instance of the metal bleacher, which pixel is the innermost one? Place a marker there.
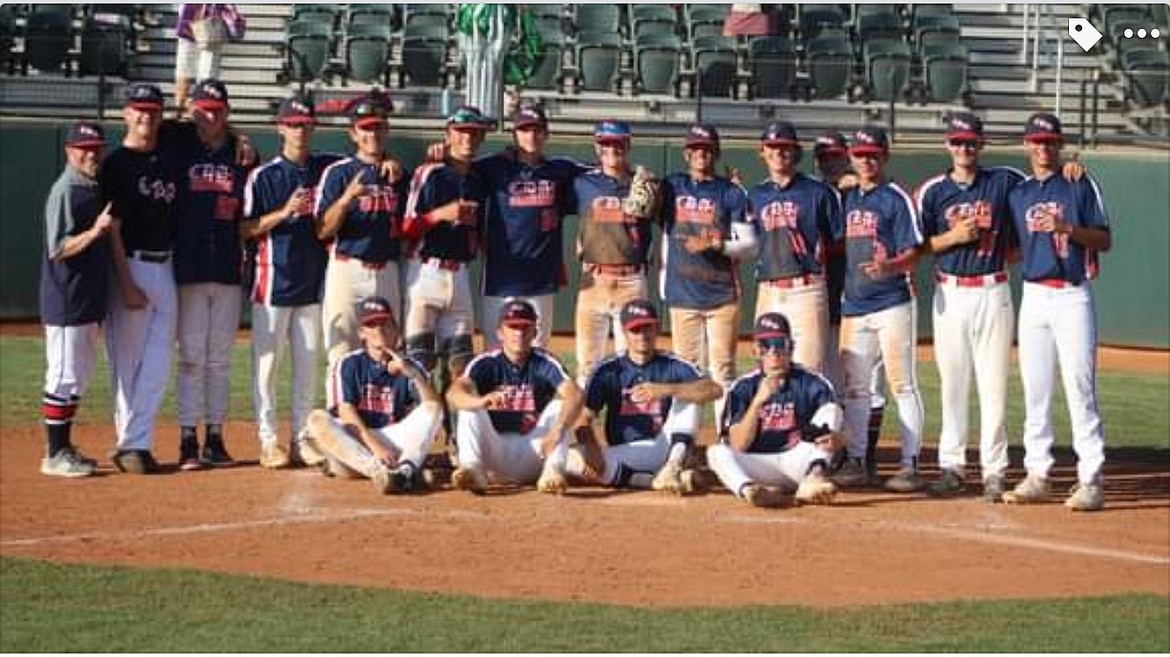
(657, 66)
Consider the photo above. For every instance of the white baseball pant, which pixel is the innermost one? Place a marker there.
(138, 345)
(511, 457)
(973, 330)
(1059, 325)
(641, 456)
(806, 305)
(783, 469)
(347, 282)
(209, 314)
(272, 328)
(438, 301)
(892, 333)
(599, 305)
(411, 438)
(490, 318)
(70, 360)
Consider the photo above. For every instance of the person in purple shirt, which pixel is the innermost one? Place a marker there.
(882, 244)
(705, 236)
(1062, 227)
(651, 402)
(200, 32)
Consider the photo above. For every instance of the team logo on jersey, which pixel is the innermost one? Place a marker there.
(1037, 212)
(376, 198)
(377, 399)
(218, 178)
(861, 223)
(780, 416)
(980, 211)
(780, 214)
(519, 398)
(532, 193)
(688, 209)
(608, 210)
(157, 189)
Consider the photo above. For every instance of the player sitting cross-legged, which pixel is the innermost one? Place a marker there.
(386, 413)
(780, 428)
(509, 425)
(652, 403)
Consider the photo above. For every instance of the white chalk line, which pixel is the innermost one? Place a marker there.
(322, 515)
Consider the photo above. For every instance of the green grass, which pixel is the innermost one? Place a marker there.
(65, 608)
(1133, 405)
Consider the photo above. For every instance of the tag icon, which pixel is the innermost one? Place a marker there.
(1083, 32)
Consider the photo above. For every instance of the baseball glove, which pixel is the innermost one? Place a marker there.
(642, 200)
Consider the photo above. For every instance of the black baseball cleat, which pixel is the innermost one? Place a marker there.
(135, 461)
(214, 451)
(189, 452)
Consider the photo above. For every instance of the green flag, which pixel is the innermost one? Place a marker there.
(525, 49)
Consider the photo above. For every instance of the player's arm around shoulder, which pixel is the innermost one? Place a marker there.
(1092, 232)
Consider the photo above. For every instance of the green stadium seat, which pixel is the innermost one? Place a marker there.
(706, 13)
(830, 65)
(434, 31)
(48, 35)
(772, 61)
(316, 14)
(367, 50)
(599, 18)
(658, 62)
(705, 29)
(815, 18)
(104, 48)
(945, 72)
(387, 15)
(715, 63)
(427, 20)
(879, 25)
(551, 29)
(599, 60)
(547, 74)
(887, 65)
(653, 26)
(424, 59)
(1148, 72)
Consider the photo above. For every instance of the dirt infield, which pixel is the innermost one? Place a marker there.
(636, 548)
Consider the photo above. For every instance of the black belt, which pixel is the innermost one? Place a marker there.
(157, 257)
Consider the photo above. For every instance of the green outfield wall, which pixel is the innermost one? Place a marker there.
(1132, 293)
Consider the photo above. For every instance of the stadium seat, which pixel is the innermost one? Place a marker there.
(1148, 71)
(424, 59)
(326, 14)
(658, 63)
(887, 65)
(416, 20)
(599, 60)
(547, 11)
(936, 34)
(104, 48)
(945, 71)
(367, 49)
(715, 63)
(653, 26)
(706, 29)
(879, 25)
(772, 61)
(547, 74)
(48, 35)
(830, 66)
(814, 18)
(309, 45)
(551, 29)
(434, 31)
(387, 15)
(706, 13)
(599, 18)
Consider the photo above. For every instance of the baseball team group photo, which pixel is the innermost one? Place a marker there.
(576, 366)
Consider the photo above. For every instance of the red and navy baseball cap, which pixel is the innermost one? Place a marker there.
(610, 131)
(529, 115)
(85, 134)
(373, 311)
(964, 126)
(869, 140)
(1043, 126)
(830, 143)
(702, 135)
(779, 133)
(638, 312)
(367, 113)
(296, 110)
(772, 325)
(517, 313)
(145, 97)
(467, 117)
(210, 94)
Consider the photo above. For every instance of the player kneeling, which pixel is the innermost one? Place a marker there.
(386, 412)
(508, 422)
(652, 402)
(781, 426)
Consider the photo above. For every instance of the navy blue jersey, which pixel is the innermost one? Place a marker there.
(606, 235)
(381, 398)
(528, 387)
(207, 245)
(942, 203)
(289, 260)
(372, 228)
(435, 185)
(708, 279)
(880, 223)
(778, 428)
(74, 290)
(1048, 255)
(609, 389)
(523, 244)
(794, 226)
(143, 189)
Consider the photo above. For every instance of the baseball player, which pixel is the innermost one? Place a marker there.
(831, 153)
(704, 236)
(882, 244)
(140, 180)
(288, 263)
(387, 413)
(74, 288)
(514, 407)
(651, 401)
(1062, 227)
(444, 217)
(781, 426)
(613, 243)
(797, 220)
(359, 205)
(522, 234)
(207, 272)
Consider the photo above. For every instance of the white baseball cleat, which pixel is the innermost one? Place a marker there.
(552, 481)
(469, 479)
(764, 497)
(668, 479)
(273, 457)
(816, 489)
(1029, 491)
(1086, 497)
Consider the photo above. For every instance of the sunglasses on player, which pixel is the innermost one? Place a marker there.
(782, 344)
(969, 144)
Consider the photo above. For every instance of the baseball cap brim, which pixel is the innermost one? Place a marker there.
(369, 122)
(611, 139)
(829, 150)
(866, 150)
(1044, 136)
(297, 120)
(518, 323)
(374, 319)
(767, 335)
(529, 123)
(966, 135)
(86, 144)
(145, 106)
(209, 104)
(468, 127)
(640, 321)
(699, 141)
(779, 141)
